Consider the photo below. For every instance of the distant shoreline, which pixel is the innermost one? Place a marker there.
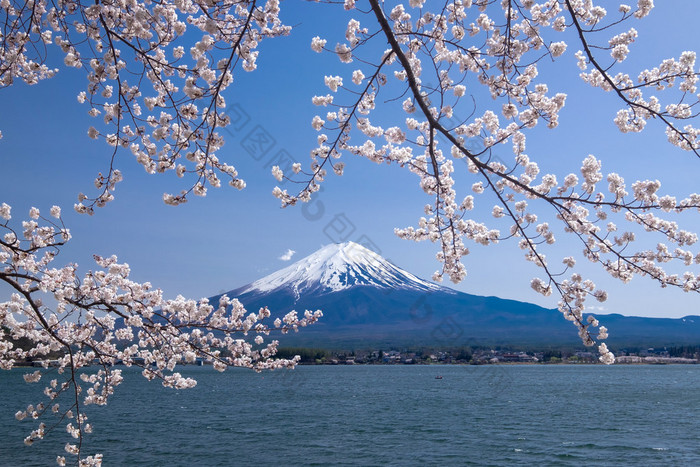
(624, 363)
(692, 362)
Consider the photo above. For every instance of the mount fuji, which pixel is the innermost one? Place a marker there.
(338, 267)
(367, 300)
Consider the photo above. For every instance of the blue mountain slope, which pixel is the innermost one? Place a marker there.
(366, 299)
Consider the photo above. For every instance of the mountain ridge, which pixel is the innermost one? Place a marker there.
(369, 300)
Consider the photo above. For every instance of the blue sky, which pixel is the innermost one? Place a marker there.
(231, 238)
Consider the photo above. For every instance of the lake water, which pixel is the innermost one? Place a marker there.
(385, 415)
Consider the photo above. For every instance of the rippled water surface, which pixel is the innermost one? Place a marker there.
(385, 415)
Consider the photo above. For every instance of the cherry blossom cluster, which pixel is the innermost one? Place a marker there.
(680, 74)
(84, 325)
(423, 61)
(154, 92)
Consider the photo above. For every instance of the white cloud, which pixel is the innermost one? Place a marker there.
(287, 256)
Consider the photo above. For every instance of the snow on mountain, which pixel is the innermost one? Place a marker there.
(337, 267)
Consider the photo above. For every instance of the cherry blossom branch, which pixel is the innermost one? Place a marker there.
(439, 38)
(690, 137)
(104, 319)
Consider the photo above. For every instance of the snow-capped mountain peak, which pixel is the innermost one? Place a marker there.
(340, 266)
